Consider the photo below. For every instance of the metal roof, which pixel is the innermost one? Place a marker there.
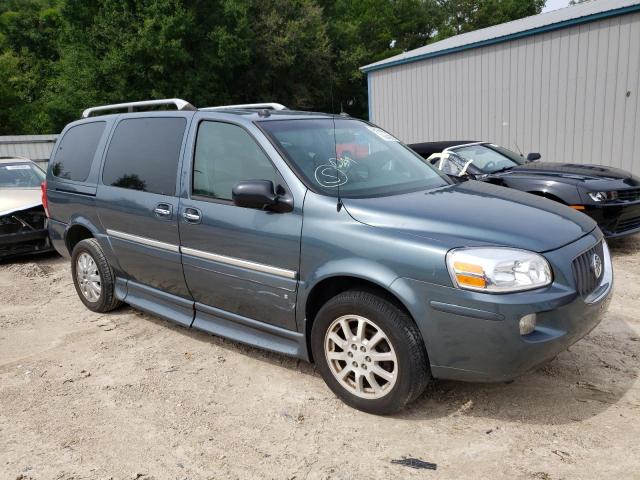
(34, 147)
(544, 22)
(5, 160)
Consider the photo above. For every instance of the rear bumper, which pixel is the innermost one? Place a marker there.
(475, 336)
(616, 220)
(57, 232)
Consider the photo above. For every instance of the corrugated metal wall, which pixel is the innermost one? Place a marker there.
(34, 147)
(571, 94)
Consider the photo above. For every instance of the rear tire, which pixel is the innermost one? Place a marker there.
(93, 277)
(369, 352)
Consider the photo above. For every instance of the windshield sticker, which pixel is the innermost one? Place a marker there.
(330, 176)
(387, 137)
(17, 167)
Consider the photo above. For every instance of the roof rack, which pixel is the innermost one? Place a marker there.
(250, 106)
(179, 104)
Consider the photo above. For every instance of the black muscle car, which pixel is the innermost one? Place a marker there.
(608, 195)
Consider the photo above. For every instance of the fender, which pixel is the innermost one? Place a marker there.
(354, 267)
(566, 192)
(96, 232)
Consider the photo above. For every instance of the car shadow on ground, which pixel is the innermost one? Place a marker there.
(30, 258)
(592, 376)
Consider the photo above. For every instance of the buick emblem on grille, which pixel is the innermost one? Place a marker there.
(596, 265)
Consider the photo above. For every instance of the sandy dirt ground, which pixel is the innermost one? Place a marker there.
(129, 396)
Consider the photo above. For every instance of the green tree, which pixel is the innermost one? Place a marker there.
(28, 54)
(12, 94)
(236, 51)
(462, 16)
(365, 31)
(59, 56)
(114, 51)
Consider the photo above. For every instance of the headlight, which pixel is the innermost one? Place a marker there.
(498, 270)
(603, 196)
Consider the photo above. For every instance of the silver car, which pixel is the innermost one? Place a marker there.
(23, 222)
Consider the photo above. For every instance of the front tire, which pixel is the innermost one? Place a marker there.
(369, 352)
(93, 277)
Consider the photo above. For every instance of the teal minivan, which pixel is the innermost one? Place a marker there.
(321, 237)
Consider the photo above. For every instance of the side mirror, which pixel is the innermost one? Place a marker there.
(532, 157)
(260, 195)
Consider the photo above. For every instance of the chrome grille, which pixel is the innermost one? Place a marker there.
(583, 274)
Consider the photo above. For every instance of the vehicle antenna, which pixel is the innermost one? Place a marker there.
(335, 151)
(519, 151)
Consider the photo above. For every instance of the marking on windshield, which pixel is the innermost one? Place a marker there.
(329, 175)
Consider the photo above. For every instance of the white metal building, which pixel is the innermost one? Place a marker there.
(564, 83)
(34, 147)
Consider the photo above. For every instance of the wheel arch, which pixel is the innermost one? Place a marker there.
(79, 229)
(330, 286)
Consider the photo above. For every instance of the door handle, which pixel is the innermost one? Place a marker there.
(192, 215)
(163, 210)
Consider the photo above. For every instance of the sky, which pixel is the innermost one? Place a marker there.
(554, 5)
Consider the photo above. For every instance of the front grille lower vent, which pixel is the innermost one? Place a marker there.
(627, 224)
(629, 195)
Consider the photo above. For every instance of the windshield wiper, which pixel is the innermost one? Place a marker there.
(503, 169)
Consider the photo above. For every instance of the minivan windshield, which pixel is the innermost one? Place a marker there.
(20, 175)
(352, 157)
(488, 158)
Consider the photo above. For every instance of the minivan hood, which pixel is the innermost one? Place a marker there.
(14, 199)
(475, 213)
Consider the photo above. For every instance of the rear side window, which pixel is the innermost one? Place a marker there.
(143, 155)
(76, 150)
(225, 155)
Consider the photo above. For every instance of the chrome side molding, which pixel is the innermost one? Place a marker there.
(238, 262)
(233, 261)
(144, 241)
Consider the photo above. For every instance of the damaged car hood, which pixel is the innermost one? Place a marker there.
(15, 199)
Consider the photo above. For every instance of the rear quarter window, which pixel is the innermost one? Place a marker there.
(143, 154)
(74, 156)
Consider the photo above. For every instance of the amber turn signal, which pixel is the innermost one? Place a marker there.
(470, 281)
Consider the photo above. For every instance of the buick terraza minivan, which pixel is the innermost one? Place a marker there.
(321, 237)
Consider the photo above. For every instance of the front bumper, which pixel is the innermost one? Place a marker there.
(21, 243)
(474, 336)
(616, 219)
(24, 231)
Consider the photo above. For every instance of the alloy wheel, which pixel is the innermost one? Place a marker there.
(361, 356)
(88, 277)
